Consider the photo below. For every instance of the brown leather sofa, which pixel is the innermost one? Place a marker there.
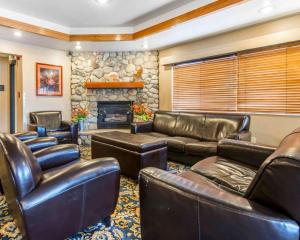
(53, 194)
(49, 123)
(194, 136)
(247, 191)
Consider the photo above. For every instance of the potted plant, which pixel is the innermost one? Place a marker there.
(80, 115)
(141, 112)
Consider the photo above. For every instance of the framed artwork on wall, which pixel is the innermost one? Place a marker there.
(49, 80)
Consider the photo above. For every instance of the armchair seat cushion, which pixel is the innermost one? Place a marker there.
(178, 144)
(233, 176)
(60, 135)
(204, 149)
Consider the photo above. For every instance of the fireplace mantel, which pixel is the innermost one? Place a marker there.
(101, 85)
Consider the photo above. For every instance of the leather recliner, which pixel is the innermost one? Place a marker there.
(49, 123)
(194, 136)
(60, 201)
(248, 191)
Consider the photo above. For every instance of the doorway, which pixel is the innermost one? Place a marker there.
(11, 97)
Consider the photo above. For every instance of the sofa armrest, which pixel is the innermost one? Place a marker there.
(188, 209)
(57, 156)
(73, 128)
(41, 143)
(243, 136)
(142, 127)
(245, 152)
(79, 174)
(40, 129)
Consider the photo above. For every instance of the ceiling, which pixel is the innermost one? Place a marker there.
(132, 16)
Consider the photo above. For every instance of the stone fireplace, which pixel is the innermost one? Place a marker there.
(114, 114)
(96, 66)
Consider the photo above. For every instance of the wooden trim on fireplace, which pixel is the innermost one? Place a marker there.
(101, 85)
(198, 12)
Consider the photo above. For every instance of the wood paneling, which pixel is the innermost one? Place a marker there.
(98, 85)
(215, 6)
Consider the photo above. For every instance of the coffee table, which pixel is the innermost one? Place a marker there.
(133, 151)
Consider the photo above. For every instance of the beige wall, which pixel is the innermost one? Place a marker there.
(268, 129)
(30, 56)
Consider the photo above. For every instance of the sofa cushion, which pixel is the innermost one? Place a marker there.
(165, 122)
(204, 149)
(156, 134)
(230, 174)
(190, 125)
(177, 144)
(218, 127)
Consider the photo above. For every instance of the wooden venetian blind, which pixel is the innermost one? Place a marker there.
(265, 81)
(293, 80)
(218, 84)
(262, 81)
(186, 87)
(207, 85)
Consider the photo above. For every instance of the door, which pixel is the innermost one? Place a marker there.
(4, 95)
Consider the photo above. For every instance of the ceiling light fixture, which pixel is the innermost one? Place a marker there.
(78, 46)
(145, 44)
(18, 33)
(102, 1)
(267, 7)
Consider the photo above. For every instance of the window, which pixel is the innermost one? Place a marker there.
(262, 82)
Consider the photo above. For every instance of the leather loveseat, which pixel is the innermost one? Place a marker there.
(52, 193)
(50, 123)
(247, 191)
(194, 136)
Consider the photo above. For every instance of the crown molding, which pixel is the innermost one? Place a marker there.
(198, 12)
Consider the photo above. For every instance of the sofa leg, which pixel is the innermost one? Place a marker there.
(107, 221)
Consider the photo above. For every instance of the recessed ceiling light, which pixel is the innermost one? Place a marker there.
(18, 33)
(102, 1)
(145, 44)
(267, 9)
(78, 46)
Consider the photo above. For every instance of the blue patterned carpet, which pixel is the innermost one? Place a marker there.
(125, 220)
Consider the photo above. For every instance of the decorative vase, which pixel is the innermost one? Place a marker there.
(81, 125)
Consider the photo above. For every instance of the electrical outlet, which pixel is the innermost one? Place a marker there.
(253, 139)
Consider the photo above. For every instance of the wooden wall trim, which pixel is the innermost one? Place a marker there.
(198, 12)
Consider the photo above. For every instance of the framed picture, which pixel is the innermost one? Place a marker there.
(49, 80)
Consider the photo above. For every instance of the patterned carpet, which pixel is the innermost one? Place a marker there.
(125, 220)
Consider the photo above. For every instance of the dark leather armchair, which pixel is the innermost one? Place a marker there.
(248, 191)
(49, 123)
(61, 201)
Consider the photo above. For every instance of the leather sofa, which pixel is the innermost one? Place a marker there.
(49, 123)
(247, 191)
(53, 194)
(194, 136)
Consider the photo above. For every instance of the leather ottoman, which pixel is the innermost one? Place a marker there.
(133, 151)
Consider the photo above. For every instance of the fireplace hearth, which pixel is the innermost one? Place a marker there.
(114, 114)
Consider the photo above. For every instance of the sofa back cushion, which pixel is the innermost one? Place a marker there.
(20, 172)
(190, 125)
(164, 122)
(49, 119)
(218, 126)
(276, 183)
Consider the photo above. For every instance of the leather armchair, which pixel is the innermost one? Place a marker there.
(50, 123)
(61, 201)
(247, 191)
(23, 136)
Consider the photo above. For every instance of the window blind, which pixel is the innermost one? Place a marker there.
(206, 85)
(265, 81)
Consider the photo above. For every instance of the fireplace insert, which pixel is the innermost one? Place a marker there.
(114, 114)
